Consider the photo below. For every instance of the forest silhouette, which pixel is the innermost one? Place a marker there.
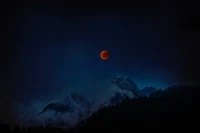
(173, 109)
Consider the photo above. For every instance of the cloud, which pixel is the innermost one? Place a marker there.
(27, 114)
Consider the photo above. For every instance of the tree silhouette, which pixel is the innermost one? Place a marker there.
(164, 111)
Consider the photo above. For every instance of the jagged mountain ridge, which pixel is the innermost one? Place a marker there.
(124, 87)
(72, 102)
(67, 112)
(127, 85)
(76, 102)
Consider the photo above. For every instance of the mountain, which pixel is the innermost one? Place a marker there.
(175, 108)
(77, 103)
(117, 98)
(79, 107)
(148, 90)
(57, 107)
(127, 85)
(77, 100)
(68, 112)
(170, 109)
(72, 103)
(124, 88)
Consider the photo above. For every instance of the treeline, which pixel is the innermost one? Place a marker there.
(173, 109)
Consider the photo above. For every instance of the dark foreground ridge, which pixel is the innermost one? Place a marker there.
(174, 109)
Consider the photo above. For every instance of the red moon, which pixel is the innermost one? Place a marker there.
(104, 55)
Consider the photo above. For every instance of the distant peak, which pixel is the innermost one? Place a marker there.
(127, 85)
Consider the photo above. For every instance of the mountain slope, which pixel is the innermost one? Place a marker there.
(67, 112)
(148, 90)
(164, 109)
(71, 103)
(127, 85)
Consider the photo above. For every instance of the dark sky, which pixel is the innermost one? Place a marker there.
(52, 48)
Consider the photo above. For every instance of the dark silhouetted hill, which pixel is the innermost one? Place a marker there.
(174, 109)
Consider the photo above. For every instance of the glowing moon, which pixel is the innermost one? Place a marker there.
(104, 55)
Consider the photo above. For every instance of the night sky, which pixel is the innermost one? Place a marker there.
(49, 49)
